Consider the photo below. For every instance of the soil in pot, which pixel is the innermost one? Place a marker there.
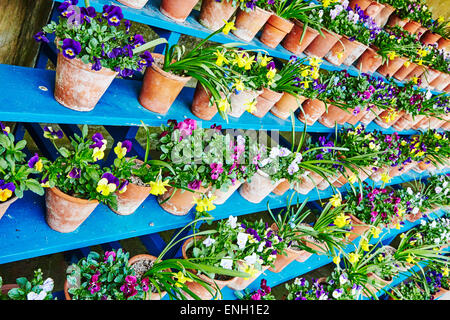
(275, 29)
(177, 10)
(249, 23)
(214, 13)
(141, 264)
(292, 41)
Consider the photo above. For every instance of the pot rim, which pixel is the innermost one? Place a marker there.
(67, 197)
(166, 74)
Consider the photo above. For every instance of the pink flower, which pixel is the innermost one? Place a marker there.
(110, 253)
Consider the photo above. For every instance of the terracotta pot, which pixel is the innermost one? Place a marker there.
(222, 196)
(390, 67)
(430, 38)
(420, 31)
(354, 119)
(77, 86)
(335, 115)
(416, 120)
(401, 169)
(177, 10)
(213, 13)
(292, 40)
(446, 126)
(371, 115)
(249, 23)
(139, 257)
(130, 200)
(282, 109)
(181, 202)
(260, 187)
(441, 81)
(135, 4)
(422, 166)
(416, 72)
(447, 88)
(321, 45)
(310, 111)
(444, 44)
(5, 205)
(282, 187)
(403, 72)
(304, 185)
(369, 61)
(363, 4)
(341, 180)
(201, 104)
(6, 287)
(315, 177)
(358, 227)
(65, 213)
(373, 9)
(440, 293)
(395, 20)
(275, 29)
(242, 283)
(382, 17)
(414, 217)
(381, 121)
(375, 283)
(325, 184)
(364, 172)
(265, 101)
(429, 123)
(376, 175)
(159, 88)
(411, 26)
(429, 76)
(341, 50)
(282, 261)
(404, 123)
(238, 102)
(355, 54)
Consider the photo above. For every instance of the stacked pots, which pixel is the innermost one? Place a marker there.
(265, 101)
(282, 109)
(260, 187)
(249, 23)
(201, 104)
(292, 41)
(390, 67)
(311, 111)
(145, 259)
(135, 4)
(275, 30)
(177, 10)
(321, 45)
(335, 115)
(369, 61)
(344, 49)
(179, 201)
(223, 196)
(214, 13)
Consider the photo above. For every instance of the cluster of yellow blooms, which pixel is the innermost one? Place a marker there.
(204, 203)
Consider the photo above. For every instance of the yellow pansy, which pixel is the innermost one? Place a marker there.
(220, 58)
(353, 257)
(422, 52)
(392, 55)
(445, 271)
(5, 194)
(341, 220)
(98, 154)
(181, 279)
(158, 187)
(271, 74)
(105, 188)
(120, 151)
(335, 200)
(228, 27)
(38, 166)
(250, 106)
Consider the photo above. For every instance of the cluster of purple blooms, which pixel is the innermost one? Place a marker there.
(252, 4)
(262, 292)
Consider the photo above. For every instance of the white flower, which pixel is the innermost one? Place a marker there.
(423, 222)
(208, 241)
(34, 296)
(343, 279)
(48, 285)
(446, 191)
(232, 221)
(444, 185)
(415, 210)
(298, 158)
(438, 190)
(260, 247)
(251, 260)
(226, 263)
(274, 152)
(428, 94)
(409, 191)
(323, 296)
(293, 168)
(242, 240)
(284, 152)
(240, 140)
(337, 293)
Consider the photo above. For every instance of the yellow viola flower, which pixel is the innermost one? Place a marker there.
(315, 74)
(8, 130)
(410, 259)
(98, 154)
(375, 231)
(265, 60)
(5, 194)
(250, 106)
(228, 27)
(251, 270)
(181, 279)
(223, 105)
(220, 58)
(305, 73)
(335, 200)
(438, 136)
(158, 187)
(392, 55)
(353, 257)
(422, 52)
(38, 166)
(105, 188)
(271, 74)
(120, 151)
(385, 177)
(445, 271)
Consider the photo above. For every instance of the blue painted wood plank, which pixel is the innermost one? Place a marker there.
(154, 243)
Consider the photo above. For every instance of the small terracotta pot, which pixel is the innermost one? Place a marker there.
(65, 213)
(354, 119)
(416, 72)
(411, 26)
(77, 86)
(5, 205)
(414, 217)
(395, 20)
(374, 283)
(159, 88)
(428, 77)
(312, 109)
(363, 4)
(249, 23)
(182, 200)
(275, 29)
(325, 184)
(292, 40)
(177, 10)
(371, 115)
(260, 187)
(139, 257)
(282, 261)
(304, 184)
(213, 13)
(430, 38)
(422, 166)
(6, 287)
(358, 227)
(242, 283)
(135, 4)
(130, 200)
(416, 120)
(447, 88)
(429, 123)
(335, 115)
(222, 196)
(265, 101)
(282, 109)
(440, 82)
(373, 9)
(390, 67)
(201, 106)
(321, 45)
(403, 72)
(282, 187)
(341, 50)
(382, 17)
(315, 177)
(444, 44)
(381, 120)
(238, 102)
(401, 169)
(376, 175)
(369, 61)
(440, 293)
(446, 126)
(355, 54)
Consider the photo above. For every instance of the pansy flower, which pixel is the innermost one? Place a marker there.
(107, 184)
(35, 163)
(6, 190)
(70, 48)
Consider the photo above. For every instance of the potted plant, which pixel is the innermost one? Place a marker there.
(215, 13)
(302, 289)
(408, 290)
(263, 293)
(340, 286)
(177, 10)
(93, 49)
(251, 17)
(36, 289)
(16, 173)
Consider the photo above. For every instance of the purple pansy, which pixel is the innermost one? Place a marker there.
(70, 48)
(33, 160)
(195, 184)
(75, 173)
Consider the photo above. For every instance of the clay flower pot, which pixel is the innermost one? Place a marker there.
(77, 86)
(130, 200)
(430, 123)
(403, 72)
(260, 187)
(140, 257)
(275, 29)
(282, 261)
(249, 23)
(242, 283)
(395, 20)
(177, 10)
(428, 77)
(390, 67)
(160, 88)
(213, 13)
(335, 115)
(222, 196)
(5, 205)
(382, 119)
(135, 4)
(282, 109)
(404, 123)
(416, 72)
(325, 184)
(355, 54)
(304, 185)
(374, 283)
(238, 102)
(355, 118)
(341, 50)
(444, 44)
(414, 217)
(265, 101)
(311, 111)
(430, 38)
(411, 26)
(363, 4)
(374, 9)
(6, 287)
(320, 46)
(358, 228)
(201, 104)
(292, 40)
(440, 82)
(447, 88)
(65, 213)
(369, 61)
(382, 17)
(401, 169)
(282, 187)
(181, 202)
(370, 115)
(315, 177)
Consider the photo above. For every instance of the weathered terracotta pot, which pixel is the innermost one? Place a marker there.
(282, 261)
(213, 13)
(373, 9)
(282, 187)
(355, 54)
(354, 119)
(440, 293)
(238, 102)
(376, 175)
(140, 257)
(381, 120)
(429, 76)
(5, 205)
(177, 10)
(242, 283)
(371, 115)
(411, 26)
(358, 227)
(312, 111)
(335, 115)
(304, 185)
(420, 31)
(444, 44)
(382, 17)
(416, 72)
(422, 166)
(416, 120)
(440, 82)
(160, 88)
(65, 213)
(447, 88)
(292, 40)
(429, 123)
(77, 86)
(414, 217)
(390, 67)
(395, 20)
(182, 200)
(341, 50)
(282, 109)
(201, 106)
(369, 61)
(446, 126)
(430, 38)
(403, 72)
(130, 200)
(249, 23)
(222, 196)
(135, 4)
(401, 169)
(363, 4)
(260, 187)
(316, 178)
(6, 287)
(320, 46)
(265, 101)
(275, 29)
(404, 123)
(325, 184)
